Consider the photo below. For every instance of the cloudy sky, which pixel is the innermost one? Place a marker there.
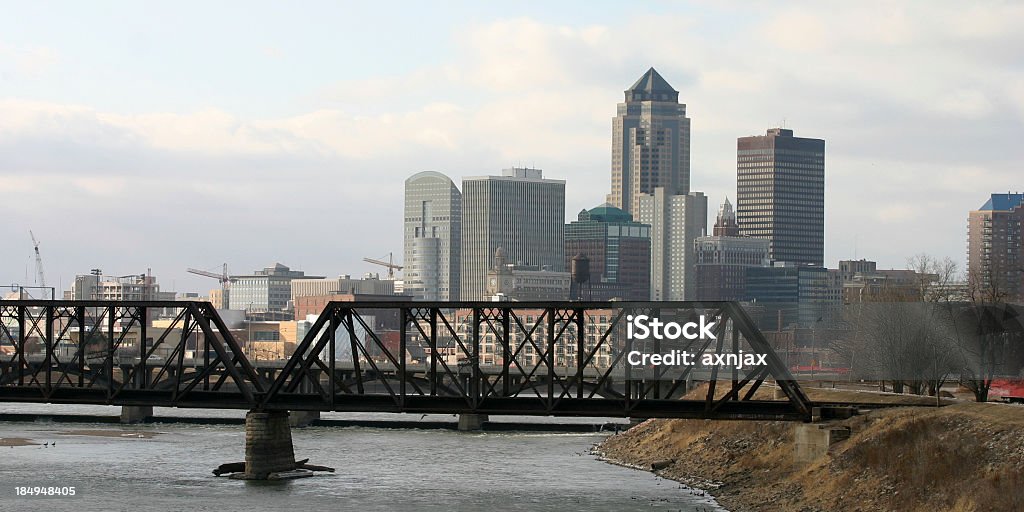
(136, 135)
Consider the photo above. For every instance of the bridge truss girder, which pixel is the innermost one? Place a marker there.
(536, 358)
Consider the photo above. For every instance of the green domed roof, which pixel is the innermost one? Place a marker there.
(606, 213)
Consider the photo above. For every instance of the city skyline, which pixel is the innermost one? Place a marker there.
(137, 148)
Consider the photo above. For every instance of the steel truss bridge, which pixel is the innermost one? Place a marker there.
(523, 358)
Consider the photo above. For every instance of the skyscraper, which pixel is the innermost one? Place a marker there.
(650, 143)
(995, 253)
(780, 194)
(723, 258)
(433, 236)
(519, 211)
(676, 221)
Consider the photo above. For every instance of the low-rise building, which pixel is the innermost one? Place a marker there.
(262, 340)
(525, 282)
(313, 305)
(266, 292)
(790, 293)
(132, 287)
(370, 284)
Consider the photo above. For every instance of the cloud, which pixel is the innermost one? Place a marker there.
(920, 121)
(273, 52)
(26, 61)
(966, 104)
(898, 213)
(101, 188)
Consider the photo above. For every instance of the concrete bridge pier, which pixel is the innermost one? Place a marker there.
(268, 444)
(469, 421)
(812, 440)
(303, 418)
(136, 413)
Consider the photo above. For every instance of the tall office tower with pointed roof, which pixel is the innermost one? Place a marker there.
(780, 194)
(433, 236)
(650, 143)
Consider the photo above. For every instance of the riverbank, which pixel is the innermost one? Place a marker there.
(962, 457)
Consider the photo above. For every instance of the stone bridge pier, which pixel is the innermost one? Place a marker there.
(468, 421)
(136, 413)
(268, 444)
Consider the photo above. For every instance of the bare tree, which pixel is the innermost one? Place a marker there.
(905, 335)
(906, 343)
(988, 333)
(934, 278)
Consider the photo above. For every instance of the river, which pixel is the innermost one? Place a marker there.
(166, 466)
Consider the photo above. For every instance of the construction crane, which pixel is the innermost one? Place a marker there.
(225, 280)
(390, 264)
(39, 260)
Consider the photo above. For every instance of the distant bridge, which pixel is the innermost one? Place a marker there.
(487, 358)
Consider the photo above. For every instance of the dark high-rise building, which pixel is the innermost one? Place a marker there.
(780, 194)
(650, 143)
(619, 252)
(995, 254)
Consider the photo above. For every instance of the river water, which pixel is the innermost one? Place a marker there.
(166, 466)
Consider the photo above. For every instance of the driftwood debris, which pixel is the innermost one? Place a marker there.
(239, 467)
(314, 467)
(230, 467)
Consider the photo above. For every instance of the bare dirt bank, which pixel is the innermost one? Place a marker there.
(16, 441)
(963, 457)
